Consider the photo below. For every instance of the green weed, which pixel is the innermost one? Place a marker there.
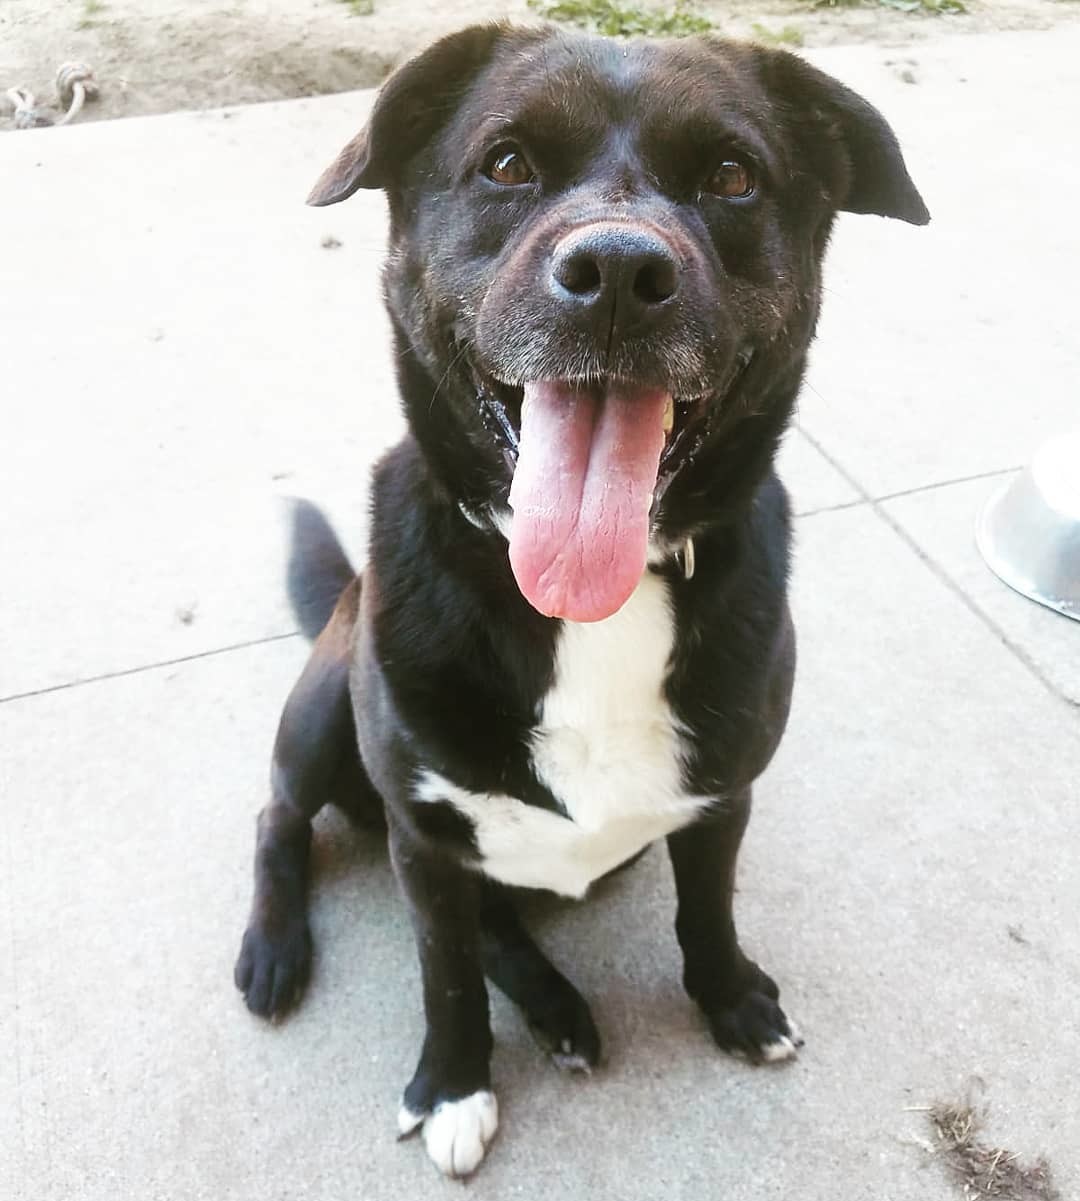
(90, 10)
(623, 20)
(790, 35)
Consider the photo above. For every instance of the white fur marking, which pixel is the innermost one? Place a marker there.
(568, 1060)
(780, 1050)
(458, 1133)
(606, 745)
(407, 1121)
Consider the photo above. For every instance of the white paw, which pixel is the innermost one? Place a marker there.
(457, 1133)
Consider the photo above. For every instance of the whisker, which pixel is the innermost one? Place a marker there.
(450, 367)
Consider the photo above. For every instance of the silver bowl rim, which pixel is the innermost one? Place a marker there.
(1005, 570)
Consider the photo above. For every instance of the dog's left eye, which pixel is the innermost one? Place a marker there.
(732, 180)
(507, 165)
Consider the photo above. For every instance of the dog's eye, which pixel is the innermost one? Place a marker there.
(732, 180)
(508, 166)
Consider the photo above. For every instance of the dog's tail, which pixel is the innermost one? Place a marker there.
(319, 571)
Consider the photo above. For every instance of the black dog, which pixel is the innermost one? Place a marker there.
(572, 637)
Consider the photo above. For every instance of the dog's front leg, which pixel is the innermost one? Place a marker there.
(450, 1094)
(739, 1000)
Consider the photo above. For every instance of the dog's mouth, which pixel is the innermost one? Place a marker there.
(684, 421)
(590, 461)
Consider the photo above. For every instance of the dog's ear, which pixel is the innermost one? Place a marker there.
(853, 149)
(412, 103)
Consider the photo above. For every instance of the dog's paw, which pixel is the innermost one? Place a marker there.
(757, 1028)
(456, 1133)
(568, 1034)
(273, 968)
(752, 1024)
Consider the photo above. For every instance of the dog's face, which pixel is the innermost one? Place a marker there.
(604, 269)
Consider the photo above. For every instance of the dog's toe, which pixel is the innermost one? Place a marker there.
(568, 1058)
(456, 1133)
(272, 969)
(755, 1027)
(408, 1121)
(568, 1033)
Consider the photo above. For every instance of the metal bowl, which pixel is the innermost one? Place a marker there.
(1029, 531)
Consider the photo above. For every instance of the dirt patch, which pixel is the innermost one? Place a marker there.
(981, 1170)
(153, 56)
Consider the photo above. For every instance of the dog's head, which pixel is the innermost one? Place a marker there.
(604, 275)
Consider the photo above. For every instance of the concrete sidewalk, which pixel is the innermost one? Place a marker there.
(178, 348)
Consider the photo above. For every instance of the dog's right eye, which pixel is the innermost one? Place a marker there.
(507, 165)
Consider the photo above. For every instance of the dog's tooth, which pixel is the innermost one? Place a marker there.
(669, 415)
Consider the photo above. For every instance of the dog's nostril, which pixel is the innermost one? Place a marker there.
(579, 273)
(656, 281)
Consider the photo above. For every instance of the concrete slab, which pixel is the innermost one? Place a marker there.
(180, 350)
(942, 522)
(885, 868)
(813, 482)
(950, 351)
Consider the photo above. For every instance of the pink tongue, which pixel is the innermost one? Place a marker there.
(586, 470)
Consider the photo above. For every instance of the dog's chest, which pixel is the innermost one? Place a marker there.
(608, 748)
(607, 744)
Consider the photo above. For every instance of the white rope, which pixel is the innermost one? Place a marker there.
(75, 84)
(25, 115)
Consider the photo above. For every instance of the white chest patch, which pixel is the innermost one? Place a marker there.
(606, 745)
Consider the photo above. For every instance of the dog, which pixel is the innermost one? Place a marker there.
(572, 636)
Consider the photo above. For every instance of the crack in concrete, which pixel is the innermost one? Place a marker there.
(875, 503)
(134, 671)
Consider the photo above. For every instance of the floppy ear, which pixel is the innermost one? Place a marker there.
(855, 151)
(408, 109)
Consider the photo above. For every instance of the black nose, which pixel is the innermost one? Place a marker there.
(607, 266)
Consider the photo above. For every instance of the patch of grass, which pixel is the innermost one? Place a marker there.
(90, 10)
(360, 8)
(982, 1170)
(790, 35)
(623, 20)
